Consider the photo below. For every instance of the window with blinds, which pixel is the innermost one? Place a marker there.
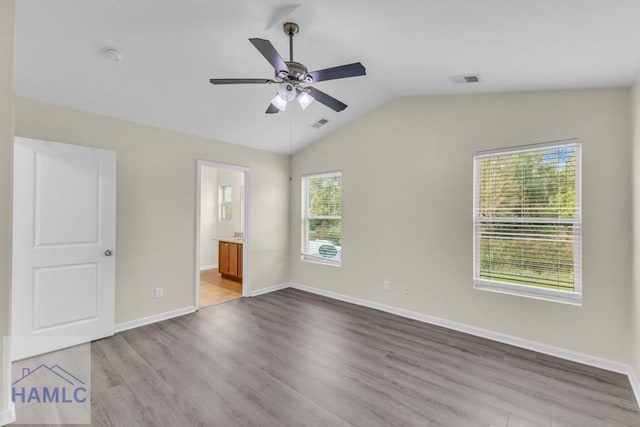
(527, 220)
(322, 218)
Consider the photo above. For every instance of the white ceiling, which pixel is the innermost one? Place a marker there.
(409, 47)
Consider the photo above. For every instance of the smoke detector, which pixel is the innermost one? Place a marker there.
(113, 54)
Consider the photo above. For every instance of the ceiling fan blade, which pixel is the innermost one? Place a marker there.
(325, 99)
(341, 72)
(270, 53)
(239, 81)
(272, 109)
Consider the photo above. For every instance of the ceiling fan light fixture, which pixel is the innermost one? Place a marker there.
(304, 99)
(279, 103)
(287, 91)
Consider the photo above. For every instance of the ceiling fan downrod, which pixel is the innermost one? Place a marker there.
(290, 29)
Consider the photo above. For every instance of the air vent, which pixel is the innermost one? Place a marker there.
(320, 123)
(465, 78)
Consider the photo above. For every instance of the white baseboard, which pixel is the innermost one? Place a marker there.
(273, 288)
(208, 267)
(550, 350)
(120, 327)
(8, 416)
(635, 383)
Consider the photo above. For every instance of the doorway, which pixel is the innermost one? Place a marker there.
(221, 233)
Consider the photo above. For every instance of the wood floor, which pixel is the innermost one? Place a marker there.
(291, 358)
(215, 289)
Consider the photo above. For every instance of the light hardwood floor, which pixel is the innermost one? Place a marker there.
(290, 358)
(215, 289)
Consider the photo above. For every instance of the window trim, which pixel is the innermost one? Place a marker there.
(305, 220)
(568, 297)
(224, 203)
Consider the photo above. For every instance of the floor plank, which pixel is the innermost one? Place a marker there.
(215, 289)
(290, 358)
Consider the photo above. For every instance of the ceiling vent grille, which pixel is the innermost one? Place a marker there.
(465, 78)
(320, 123)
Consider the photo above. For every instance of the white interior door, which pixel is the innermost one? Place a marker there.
(63, 245)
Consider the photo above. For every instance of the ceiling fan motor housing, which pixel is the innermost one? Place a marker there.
(297, 71)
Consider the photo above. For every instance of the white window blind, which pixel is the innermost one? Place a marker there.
(527, 220)
(322, 218)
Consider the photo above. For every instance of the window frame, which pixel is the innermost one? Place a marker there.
(568, 297)
(306, 218)
(224, 203)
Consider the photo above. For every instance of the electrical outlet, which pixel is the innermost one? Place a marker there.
(159, 292)
(387, 285)
(406, 288)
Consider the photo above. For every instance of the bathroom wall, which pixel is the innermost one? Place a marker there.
(208, 218)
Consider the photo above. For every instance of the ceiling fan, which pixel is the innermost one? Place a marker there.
(292, 77)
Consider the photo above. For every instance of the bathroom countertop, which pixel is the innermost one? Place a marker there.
(236, 240)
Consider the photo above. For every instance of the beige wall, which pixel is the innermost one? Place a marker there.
(635, 286)
(156, 203)
(407, 211)
(7, 8)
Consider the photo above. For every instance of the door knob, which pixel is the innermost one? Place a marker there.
(108, 252)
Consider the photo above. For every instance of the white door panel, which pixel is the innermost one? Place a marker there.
(64, 294)
(64, 221)
(66, 179)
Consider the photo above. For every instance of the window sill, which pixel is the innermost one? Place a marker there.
(564, 297)
(318, 260)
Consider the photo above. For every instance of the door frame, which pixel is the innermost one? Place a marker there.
(246, 258)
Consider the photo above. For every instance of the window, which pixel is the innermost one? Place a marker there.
(527, 221)
(225, 202)
(322, 214)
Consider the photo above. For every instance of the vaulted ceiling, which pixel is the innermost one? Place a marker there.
(409, 47)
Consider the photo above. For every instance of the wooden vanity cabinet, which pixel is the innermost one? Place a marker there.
(230, 260)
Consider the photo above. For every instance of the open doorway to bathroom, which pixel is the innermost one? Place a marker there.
(221, 235)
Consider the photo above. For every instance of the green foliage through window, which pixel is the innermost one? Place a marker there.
(527, 217)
